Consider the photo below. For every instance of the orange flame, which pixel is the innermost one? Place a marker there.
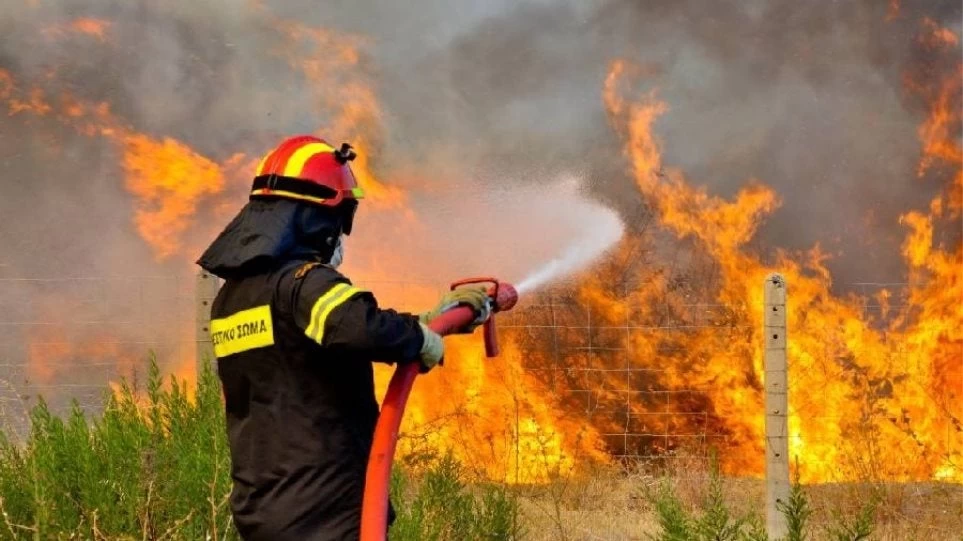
(892, 11)
(95, 28)
(53, 354)
(493, 416)
(854, 388)
(34, 102)
(940, 129)
(330, 62)
(92, 27)
(935, 36)
(893, 388)
(169, 180)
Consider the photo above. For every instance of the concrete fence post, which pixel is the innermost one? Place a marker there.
(204, 292)
(777, 405)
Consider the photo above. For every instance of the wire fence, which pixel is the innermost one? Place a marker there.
(637, 381)
(67, 339)
(657, 387)
(593, 366)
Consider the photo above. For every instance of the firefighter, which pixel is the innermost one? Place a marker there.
(295, 342)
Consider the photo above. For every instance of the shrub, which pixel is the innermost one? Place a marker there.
(150, 467)
(443, 507)
(154, 464)
(797, 512)
(712, 521)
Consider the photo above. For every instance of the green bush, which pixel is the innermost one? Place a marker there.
(857, 527)
(712, 521)
(156, 466)
(154, 469)
(797, 512)
(442, 507)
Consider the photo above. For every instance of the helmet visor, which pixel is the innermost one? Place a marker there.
(349, 208)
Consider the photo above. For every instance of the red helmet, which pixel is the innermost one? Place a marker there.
(307, 168)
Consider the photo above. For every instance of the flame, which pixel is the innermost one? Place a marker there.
(92, 27)
(54, 353)
(170, 180)
(87, 26)
(937, 132)
(500, 419)
(865, 395)
(329, 61)
(892, 11)
(495, 417)
(33, 101)
(935, 36)
(861, 399)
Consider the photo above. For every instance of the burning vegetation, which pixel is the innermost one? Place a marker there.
(671, 360)
(869, 399)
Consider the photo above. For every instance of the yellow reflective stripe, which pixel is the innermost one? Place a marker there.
(320, 304)
(242, 331)
(357, 192)
(289, 195)
(324, 306)
(301, 156)
(323, 316)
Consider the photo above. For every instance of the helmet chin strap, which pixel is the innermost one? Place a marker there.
(338, 256)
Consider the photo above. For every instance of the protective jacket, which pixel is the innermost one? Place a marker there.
(294, 346)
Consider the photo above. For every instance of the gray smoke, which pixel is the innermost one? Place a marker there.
(807, 97)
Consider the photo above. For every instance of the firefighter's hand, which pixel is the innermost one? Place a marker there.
(474, 296)
(432, 349)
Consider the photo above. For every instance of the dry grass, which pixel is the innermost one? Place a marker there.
(161, 466)
(907, 511)
(610, 503)
(606, 506)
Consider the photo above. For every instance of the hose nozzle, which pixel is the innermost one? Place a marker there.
(503, 297)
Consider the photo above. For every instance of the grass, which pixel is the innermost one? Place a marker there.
(154, 465)
(444, 506)
(151, 467)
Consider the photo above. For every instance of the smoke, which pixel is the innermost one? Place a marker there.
(806, 97)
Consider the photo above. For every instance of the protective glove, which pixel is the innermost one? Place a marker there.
(475, 296)
(432, 350)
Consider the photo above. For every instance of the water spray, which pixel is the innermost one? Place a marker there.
(603, 229)
(374, 511)
(598, 228)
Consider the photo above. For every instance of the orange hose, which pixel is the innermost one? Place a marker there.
(374, 510)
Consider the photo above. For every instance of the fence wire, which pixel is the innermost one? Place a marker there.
(68, 338)
(593, 367)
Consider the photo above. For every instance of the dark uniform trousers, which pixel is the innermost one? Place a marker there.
(294, 349)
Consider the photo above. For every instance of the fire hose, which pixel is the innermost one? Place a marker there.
(374, 510)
